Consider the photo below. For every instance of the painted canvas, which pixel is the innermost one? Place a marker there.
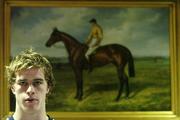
(144, 31)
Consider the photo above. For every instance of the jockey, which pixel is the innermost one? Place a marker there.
(95, 37)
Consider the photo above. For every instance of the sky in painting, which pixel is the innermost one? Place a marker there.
(145, 31)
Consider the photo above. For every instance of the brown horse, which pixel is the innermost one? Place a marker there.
(111, 53)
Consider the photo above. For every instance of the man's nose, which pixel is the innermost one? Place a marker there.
(30, 90)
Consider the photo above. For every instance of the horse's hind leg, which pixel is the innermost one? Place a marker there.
(120, 90)
(127, 86)
(123, 79)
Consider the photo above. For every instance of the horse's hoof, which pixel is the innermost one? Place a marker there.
(76, 97)
(116, 100)
(80, 99)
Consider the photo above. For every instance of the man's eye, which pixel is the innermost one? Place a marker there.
(37, 83)
(22, 83)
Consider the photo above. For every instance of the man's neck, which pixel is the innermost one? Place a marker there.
(36, 115)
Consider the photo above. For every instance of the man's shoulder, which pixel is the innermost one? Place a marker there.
(9, 118)
(97, 27)
(50, 118)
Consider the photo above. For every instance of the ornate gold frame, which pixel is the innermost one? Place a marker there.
(174, 5)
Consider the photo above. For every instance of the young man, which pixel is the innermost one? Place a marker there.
(30, 78)
(95, 37)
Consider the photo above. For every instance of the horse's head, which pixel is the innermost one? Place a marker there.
(55, 37)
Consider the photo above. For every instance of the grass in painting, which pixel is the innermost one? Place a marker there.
(149, 90)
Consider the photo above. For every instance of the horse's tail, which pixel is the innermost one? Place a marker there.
(131, 69)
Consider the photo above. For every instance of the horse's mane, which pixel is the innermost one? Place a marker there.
(71, 37)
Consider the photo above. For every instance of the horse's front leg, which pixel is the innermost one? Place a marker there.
(79, 84)
(77, 91)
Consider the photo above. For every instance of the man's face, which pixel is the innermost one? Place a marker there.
(30, 89)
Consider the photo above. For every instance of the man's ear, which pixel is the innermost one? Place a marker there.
(12, 89)
(48, 89)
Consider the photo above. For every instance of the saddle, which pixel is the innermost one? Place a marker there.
(84, 48)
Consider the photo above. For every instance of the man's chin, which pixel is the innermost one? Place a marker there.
(31, 108)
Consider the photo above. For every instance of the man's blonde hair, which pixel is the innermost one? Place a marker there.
(29, 59)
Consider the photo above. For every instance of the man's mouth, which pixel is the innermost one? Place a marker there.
(31, 100)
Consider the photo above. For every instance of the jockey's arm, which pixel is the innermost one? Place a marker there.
(89, 39)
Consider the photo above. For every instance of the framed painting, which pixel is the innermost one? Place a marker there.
(148, 30)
